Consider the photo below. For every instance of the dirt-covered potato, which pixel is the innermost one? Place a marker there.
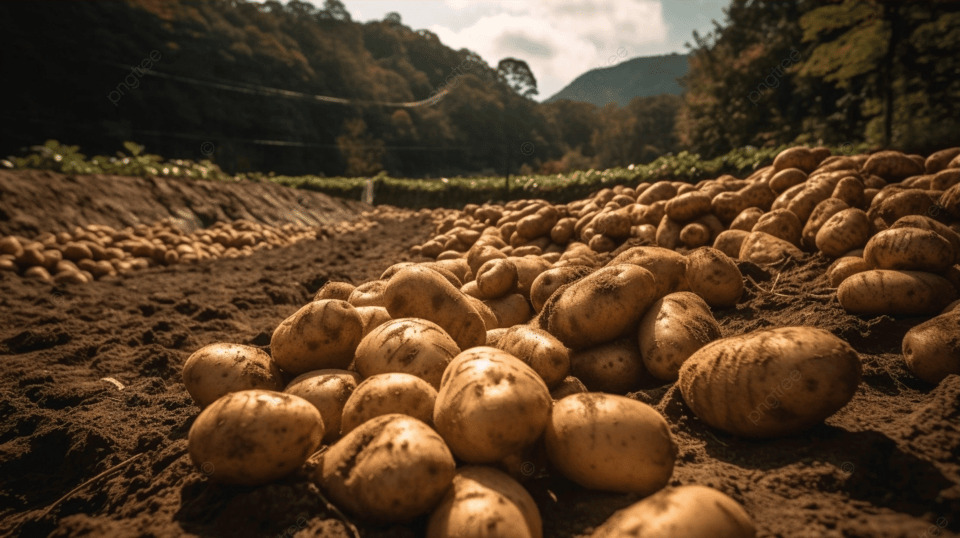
(730, 241)
(844, 267)
(688, 511)
(334, 290)
(668, 267)
(539, 349)
(254, 437)
(762, 248)
(418, 292)
(513, 309)
(569, 385)
(600, 307)
(491, 405)
(747, 219)
(694, 235)
(847, 230)
(548, 281)
(909, 249)
(217, 369)
(820, 215)
(407, 345)
(926, 223)
(383, 394)
(687, 207)
(372, 317)
(483, 502)
(328, 391)
(673, 329)
(615, 367)
(715, 277)
(322, 334)
(392, 468)
(932, 348)
(496, 278)
(770, 382)
(786, 178)
(892, 166)
(796, 157)
(610, 443)
(668, 233)
(368, 294)
(883, 291)
(780, 223)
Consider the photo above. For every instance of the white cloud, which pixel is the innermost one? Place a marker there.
(559, 40)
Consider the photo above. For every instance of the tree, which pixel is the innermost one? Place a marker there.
(393, 18)
(517, 75)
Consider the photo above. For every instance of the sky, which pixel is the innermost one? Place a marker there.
(559, 39)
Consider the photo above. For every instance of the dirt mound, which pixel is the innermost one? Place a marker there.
(35, 201)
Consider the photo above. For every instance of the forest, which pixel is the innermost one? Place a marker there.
(237, 82)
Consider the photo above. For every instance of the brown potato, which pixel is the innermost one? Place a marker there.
(786, 178)
(600, 307)
(820, 215)
(569, 385)
(610, 443)
(392, 468)
(322, 334)
(932, 348)
(219, 369)
(668, 233)
(913, 249)
(673, 329)
(419, 292)
(491, 405)
(687, 207)
(615, 367)
(328, 391)
(730, 242)
(892, 166)
(496, 278)
(780, 223)
(796, 157)
(510, 310)
(485, 502)
(668, 267)
(689, 511)
(847, 230)
(784, 380)
(334, 290)
(537, 348)
(372, 317)
(383, 394)
(763, 249)
(407, 345)
(747, 219)
(368, 294)
(275, 433)
(550, 280)
(844, 267)
(939, 160)
(694, 235)
(882, 291)
(715, 277)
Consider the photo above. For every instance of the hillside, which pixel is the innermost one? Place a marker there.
(645, 76)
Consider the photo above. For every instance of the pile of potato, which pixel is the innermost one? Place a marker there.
(96, 251)
(436, 390)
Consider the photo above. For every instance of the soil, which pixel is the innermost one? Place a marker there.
(95, 417)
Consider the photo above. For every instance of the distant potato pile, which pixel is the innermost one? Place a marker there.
(439, 388)
(96, 251)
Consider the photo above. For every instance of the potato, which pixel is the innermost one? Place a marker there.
(510, 310)
(687, 207)
(38, 273)
(334, 290)
(538, 349)
(820, 215)
(562, 232)
(496, 278)
(383, 394)
(844, 267)
(747, 219)
(602, 243)
(372, 317)
(688, 511)
(673, 329)
(847, 230)
(481, 254)
(694, 235)
(932, 348)
(780, 223)
(615, 367)
(419, 292)
(600, 307)
(661, 190)
(485, 502)
(850, 190)
(569, 385)
(610, 443)
(646, 233)
(762, 248)
(668, 233)
(368, 294)
(796, 157)
(939, 160)
(528, 269)
(909, 249)
(12, 246)
(881, 291)
(218, 369)
(322, 334)
(613, 224)
(491, 405)
(892, 166)
(328, 391)
(668, 267)
(392, 468)
(730, 242)
(548, 281)
(770, 382)
(489, 317)
(786, 178)
(407, 345)
(715, 277)
(926, 223)
(757, 195)
(253, 437)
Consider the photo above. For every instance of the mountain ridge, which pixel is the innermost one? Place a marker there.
(642, 76)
